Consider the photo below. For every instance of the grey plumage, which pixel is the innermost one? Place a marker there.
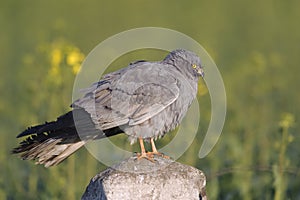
(144, 100)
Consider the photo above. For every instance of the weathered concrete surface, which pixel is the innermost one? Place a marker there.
(142, 179)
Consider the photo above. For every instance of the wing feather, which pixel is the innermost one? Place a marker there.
(130, 96)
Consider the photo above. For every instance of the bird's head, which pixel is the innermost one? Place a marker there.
(185, 61)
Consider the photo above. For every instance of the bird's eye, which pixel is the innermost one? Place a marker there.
(194, 66)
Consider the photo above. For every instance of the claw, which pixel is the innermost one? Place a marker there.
(155, 152)
(160, 154)
(149, 155)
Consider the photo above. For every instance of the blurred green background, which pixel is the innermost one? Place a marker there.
(254, 43)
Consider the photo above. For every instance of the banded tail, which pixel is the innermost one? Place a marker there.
(51, 143)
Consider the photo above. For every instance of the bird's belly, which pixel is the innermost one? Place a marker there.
(157, 126)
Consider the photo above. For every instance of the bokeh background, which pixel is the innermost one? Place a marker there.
(254, 43)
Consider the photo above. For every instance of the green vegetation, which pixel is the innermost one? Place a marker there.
(255, 44)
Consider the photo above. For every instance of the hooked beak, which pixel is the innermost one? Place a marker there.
(200, 71)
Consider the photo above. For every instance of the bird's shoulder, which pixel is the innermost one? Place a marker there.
(133, 94)
(138, 72)
(137, 75)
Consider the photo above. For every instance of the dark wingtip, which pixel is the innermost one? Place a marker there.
(28, 131)
(31, 130)
(35, 129)
(24, 133)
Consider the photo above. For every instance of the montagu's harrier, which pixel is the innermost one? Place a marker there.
(144, 100)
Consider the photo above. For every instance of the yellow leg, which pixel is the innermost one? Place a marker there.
(143, 151)
(149, 155)
(154, 150)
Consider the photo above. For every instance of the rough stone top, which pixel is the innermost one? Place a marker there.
(143, 179)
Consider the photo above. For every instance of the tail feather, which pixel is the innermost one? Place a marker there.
(62, 153)
(63, 121)
(40, 150)
(51, 143)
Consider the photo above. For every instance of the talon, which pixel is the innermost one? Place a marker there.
(161, 155)
(143, 153)
(149, 155)
(155, 152)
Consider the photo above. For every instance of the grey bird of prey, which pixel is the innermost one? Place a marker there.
(144, 100)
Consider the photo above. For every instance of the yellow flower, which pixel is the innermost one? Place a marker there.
(287, 120)
(74, 57)
(56, 57)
